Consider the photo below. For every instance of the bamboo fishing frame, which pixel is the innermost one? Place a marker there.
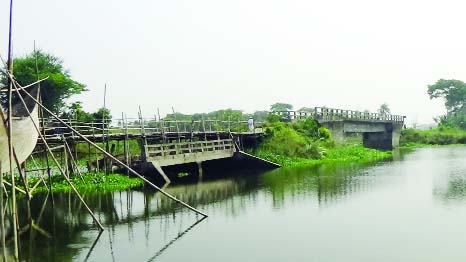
(36, 126)
(99, 149)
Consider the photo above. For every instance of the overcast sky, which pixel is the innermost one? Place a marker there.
(203, 55)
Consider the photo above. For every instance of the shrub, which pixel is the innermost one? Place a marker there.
(293, 139)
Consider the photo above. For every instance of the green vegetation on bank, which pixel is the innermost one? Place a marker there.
(451, 126)
(442, 135)
(307, 143)
(338, 154)
(91, 182)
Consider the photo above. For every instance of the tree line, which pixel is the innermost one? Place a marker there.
(56, 89)
(59, 87)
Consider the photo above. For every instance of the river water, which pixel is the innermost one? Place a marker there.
(412, 208)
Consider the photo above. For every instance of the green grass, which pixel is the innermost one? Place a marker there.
(340, 154)
(134, 148)
(438, 136)
(305, 143)
(91, 182)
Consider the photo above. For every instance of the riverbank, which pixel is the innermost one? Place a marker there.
(338, 154)
(441, 135)
(306, 143)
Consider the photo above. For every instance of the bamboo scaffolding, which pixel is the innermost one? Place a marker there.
(53, 157)
(73, 161)
(110, 156)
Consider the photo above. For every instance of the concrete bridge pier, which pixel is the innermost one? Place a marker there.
(337, 129)
(386, 140)
(380, 131)
(385, 136)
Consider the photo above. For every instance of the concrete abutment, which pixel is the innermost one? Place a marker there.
(377, 135)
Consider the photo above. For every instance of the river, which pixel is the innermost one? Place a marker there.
(411, 208)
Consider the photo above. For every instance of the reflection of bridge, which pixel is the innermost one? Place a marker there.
(381, 131)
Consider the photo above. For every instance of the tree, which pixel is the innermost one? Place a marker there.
(384, 109)
(102, 115)
(306, 109)
(281, 107)
(453, 91)
(56, 89)
(76, 111)
(260, 116)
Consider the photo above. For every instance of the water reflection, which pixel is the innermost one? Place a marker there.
(63, 231)
(67, 232)
(329, 184)
(455, 191)
(143, 225)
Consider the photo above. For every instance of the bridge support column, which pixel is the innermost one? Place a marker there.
(396, 134)
(337, 129)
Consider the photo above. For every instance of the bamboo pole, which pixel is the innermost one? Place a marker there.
(22, 176)
(114, 158)
(128, 148)
(162, 126)
(9, 132)
(203, 127)
(65, 159)
(104, 139)
(143, 142)
(125, 140)
(176, 123)
(96, 155)
(2, 218)
(53, 156)
(73, 161)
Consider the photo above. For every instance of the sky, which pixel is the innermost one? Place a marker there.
(205, 55)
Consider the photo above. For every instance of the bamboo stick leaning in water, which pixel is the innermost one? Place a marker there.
(53, 156)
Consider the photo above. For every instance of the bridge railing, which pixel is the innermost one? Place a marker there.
(162, 150)
(333, 114)
(146, 126)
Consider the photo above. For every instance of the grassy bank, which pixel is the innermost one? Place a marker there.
(339, 154)
(438, 136)
(305, 143)
(91, 182)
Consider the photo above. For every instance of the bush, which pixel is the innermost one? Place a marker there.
(298, 139)
(324, 133)
(308, 128)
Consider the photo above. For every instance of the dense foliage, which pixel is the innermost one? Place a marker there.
(454, 93)
(56, 89)
(281, 107)
(297, 139)
(101, 117)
